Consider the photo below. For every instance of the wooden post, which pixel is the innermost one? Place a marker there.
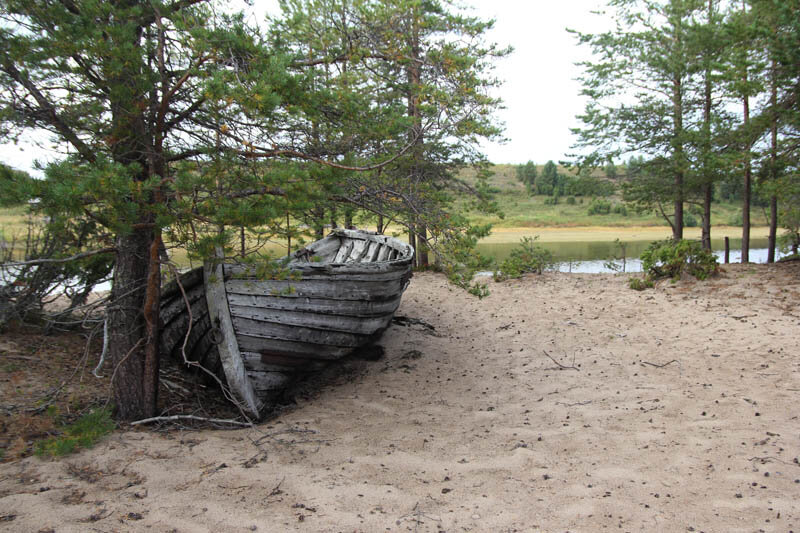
(727, 250)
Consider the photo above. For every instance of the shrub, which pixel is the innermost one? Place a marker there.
(640, 284)
(599, 207)
(673, 259)
(571, 200)
(689, 220)
(620, 210)
(527, 257)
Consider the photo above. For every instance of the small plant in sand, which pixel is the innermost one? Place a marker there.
(640, 284)
(83, 433)
(527, 258)
(674, 259)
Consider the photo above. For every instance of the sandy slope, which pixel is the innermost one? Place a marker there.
(474, 428)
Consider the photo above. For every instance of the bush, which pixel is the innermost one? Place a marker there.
(673, 259)
(599, 207)
(527, 257)
(571, 200)
(640, 284)
(620, 210)
(689, 220)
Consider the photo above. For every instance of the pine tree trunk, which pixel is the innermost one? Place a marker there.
(412, 240)
(677, 110)
(708, 185)
(133, 325)
(708, 194)
(773, 228)
(422, 250)
(773, 173)
(748, 187)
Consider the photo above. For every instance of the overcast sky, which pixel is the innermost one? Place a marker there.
(540, 92)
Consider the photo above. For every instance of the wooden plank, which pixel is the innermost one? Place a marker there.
(353, 308)
(270, 330)
(341, 290)
(172, 337)
(171, 308)
(188, 280)
(278, 347)
(357, 252)
(330, 322)
(278, 363)
(339, 272)
(383, 253)
(229, 355)
(344, 251)
(372, 252)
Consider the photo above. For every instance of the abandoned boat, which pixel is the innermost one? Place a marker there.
(258, 334)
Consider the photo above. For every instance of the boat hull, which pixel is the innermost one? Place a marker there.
(259, 334)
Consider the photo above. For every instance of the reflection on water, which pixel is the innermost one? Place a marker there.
(590, 257)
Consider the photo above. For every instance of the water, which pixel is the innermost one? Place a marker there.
(590, 257)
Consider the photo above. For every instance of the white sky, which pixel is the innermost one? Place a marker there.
(540, 92)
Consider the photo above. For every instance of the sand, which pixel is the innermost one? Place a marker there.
(674, 409)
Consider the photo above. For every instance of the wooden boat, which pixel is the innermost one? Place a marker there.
(259, 334)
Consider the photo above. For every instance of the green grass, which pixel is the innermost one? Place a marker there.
(83, 433)
(13, 222)
(523, 211)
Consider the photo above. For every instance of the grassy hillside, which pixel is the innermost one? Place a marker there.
(523, 211)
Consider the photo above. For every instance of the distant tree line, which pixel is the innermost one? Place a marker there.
(704, 93)
(550, 182)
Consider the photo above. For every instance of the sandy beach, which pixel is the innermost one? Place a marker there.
(561, 402)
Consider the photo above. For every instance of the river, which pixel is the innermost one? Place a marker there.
(590, 257)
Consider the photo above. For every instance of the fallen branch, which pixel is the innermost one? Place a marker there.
(564, 367)
(587, 402)
(190, 417)
(63, 260)
(660, 366)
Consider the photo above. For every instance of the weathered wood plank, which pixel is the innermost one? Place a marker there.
(173, 336)
(358, 325)
(354, 308)
(175, 306)
(280, 363)
(344, 251)
(188, 280)
(270, 330)
(372, 252)
(344, 290)
(341, 272)
(229, 355)
(284, 348)
(358, 251)
(383, 253)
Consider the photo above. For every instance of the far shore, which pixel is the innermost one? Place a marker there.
(610, 233)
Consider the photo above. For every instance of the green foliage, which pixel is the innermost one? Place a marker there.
(571, 200)
(527, 175)
(674, 259)
(689, 220)
(528, 257)
(83, 433)
(599, 207)
(640, 284)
